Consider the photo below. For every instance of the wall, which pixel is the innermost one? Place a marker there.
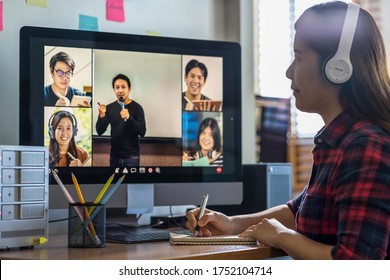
(213, 20)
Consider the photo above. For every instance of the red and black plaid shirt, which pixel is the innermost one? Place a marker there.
(347, 200)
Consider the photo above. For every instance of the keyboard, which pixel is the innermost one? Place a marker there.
(129, 235)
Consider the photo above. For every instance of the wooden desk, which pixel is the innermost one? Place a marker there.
(56, 249)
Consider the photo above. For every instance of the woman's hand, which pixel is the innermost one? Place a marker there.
(76, 162)
(211, 223)
(266, 231)
(185, 157)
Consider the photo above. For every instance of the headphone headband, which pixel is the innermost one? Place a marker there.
(339, 68)
(68, 115)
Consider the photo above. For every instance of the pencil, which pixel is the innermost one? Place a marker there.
(97, 200)
(111, 192)
(104, 200)
(70, 199)
(62, 187)
(101, 193)
(81, 198)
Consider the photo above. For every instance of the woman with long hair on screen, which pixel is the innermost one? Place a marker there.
(63, 150)
(344, 211)
(208, 144)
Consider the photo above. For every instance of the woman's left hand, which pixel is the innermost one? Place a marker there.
(266, 232)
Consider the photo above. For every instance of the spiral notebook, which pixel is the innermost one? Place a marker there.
(186, 239)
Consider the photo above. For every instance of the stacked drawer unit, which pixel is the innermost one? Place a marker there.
(24, 176)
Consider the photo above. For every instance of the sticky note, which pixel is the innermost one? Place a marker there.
(153, 33)
(1, 16)
(88, 23)
(40, 3)
(115, 10)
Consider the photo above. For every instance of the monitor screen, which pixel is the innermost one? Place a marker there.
(158, 109)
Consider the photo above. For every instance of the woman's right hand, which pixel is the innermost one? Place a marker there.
(185, 157)
(76, 162)
(211, 223)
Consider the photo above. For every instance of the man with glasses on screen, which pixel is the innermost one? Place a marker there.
(59, 93)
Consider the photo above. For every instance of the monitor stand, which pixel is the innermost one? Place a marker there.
(139, 201)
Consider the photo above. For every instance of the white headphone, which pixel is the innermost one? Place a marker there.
(338, 69)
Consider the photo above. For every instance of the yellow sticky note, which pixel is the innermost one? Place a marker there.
(153, 33)
(40, 3)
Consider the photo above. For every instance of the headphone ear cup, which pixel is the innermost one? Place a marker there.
(75, 130)
(338, 70)
(51, 132)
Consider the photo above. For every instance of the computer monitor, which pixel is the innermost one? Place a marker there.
(156, 67)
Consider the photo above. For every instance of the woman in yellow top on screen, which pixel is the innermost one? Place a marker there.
(62, 147)
(208, 144)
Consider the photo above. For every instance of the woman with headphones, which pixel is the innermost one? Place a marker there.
(62, 127)
(344, 210)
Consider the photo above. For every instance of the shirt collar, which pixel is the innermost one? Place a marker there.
(335, 130)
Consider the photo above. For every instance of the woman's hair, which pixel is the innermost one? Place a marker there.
(215, 132)
(195, 63)
(54, 149)
(63, 57)
(121, 77)
(367, 93)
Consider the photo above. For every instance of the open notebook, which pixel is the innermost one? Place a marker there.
(186, 239)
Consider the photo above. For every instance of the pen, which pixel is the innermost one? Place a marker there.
(187, 99)
(85, 161)
(202, 209)
(189, 103)
(71, 156)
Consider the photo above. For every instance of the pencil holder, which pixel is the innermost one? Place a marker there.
(87, 225)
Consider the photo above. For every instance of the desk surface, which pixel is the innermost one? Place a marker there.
(56, 249)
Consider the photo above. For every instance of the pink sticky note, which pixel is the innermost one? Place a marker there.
(115, 10)
(1, 15)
